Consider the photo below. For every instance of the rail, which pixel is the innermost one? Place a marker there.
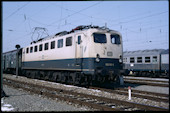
(96, 102)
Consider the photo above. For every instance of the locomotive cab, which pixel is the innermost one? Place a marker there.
(106, 51)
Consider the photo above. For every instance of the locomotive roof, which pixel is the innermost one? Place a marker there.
(143, 52)
(75, 30)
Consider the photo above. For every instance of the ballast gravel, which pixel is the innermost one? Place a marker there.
(92, 91)
(20, 100)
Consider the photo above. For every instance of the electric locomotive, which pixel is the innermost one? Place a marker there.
(84, 55)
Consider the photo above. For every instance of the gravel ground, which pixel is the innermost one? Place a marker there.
(157, 89)
(102, 93)
(20, 100)
(147, 78)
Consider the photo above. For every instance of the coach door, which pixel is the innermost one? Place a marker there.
(4, 61)
(78, 51)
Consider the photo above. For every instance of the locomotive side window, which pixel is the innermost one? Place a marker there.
(69, 41)
(132, 60)
(60, 43)
(154, 59)
(99, 38)
(31, 49)
(35, 48)
(115, 39)
(139, 59)
(52, 44)
(147, 59)
(27, 50)
(46, 46)
(40, 47)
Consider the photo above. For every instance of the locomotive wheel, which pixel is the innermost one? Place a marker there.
(33, 74)
(54, 76)
(37, 73)
(83, 80)
(77, 79)
(58, 77)
(23, 73)
(68, 78)
(41, 75)
(63, 77)
(72, 78)
(28, 74)
(88, 81)
(48, 76)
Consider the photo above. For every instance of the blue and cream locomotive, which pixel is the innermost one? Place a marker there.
(85, 55)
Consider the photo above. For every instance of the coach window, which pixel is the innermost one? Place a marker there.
(115, 39)
(60, 43)
(27, 50)
(139, 59)
(31, 49)
(35, 48)
(132, 60)
(46, 46)
(69, 41)
(40, 47)
(124, 60)
(52, 44)
(147, 59)
(154, 59)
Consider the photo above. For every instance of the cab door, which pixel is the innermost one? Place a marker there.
(78, 51)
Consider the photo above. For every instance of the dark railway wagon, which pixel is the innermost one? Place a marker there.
(10, 61)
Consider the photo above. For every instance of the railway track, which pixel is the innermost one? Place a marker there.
(147, 82)
(96, 102)
(138, 93)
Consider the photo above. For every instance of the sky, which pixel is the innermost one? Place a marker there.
(143, 24)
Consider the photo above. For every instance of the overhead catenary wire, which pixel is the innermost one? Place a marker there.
(75, 13)
(15, 11)
(144, 29)
(60, 19)
(74, 22)
(136, 19)
(89, 16)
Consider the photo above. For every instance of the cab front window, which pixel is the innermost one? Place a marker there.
(99, 38)
(115, 39)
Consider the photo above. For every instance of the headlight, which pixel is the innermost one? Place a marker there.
(97, 58)
(120, 58)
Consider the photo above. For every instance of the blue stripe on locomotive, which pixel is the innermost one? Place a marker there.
(89, 65)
